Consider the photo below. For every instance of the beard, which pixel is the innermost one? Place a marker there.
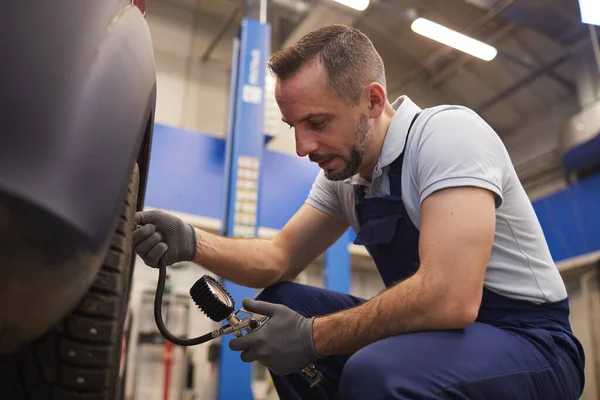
(354, 159)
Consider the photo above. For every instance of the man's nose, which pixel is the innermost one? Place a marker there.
(305, 144)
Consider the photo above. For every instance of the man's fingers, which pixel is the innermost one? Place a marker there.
(150, 262)
(260, 307)
(248, 356)
(241, 343)
(157, 252)
(148, 244)
(142, 233)
(148, 217)
(140, 218)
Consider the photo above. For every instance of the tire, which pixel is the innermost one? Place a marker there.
(80, 358)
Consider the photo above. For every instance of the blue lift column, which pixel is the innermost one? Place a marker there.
(338, 265)
(244, 146)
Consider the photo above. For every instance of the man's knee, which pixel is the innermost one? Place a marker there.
(363, 377)
(281, 293)
(307, 300)
(368, 375)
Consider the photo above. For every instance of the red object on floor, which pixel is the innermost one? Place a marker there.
(168, 363)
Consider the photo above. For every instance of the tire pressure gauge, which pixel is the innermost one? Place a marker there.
(212, 298)
(214, 301)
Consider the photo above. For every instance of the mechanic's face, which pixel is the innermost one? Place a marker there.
(327, 130)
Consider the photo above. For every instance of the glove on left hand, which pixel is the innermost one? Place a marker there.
(284, 344)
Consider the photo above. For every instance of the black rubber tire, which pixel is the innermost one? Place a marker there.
(80, 358)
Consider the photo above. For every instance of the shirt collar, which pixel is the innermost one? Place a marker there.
(394, 139)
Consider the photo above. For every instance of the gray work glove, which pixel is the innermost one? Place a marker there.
(284, 344)
(160, 234)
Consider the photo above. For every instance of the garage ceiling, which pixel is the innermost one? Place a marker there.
(538, 42)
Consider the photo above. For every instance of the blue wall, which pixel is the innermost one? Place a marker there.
(571, 219)
(285, 183)
(187, 172)
(187, 175)
(585, 155)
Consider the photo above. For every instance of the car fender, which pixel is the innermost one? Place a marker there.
(77, 95)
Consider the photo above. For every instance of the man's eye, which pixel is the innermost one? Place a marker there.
(317, 125)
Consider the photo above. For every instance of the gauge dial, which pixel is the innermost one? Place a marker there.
(212, 298)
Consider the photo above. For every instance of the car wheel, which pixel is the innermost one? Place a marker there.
(80, 358)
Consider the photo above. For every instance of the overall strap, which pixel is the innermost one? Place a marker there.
(396, 167)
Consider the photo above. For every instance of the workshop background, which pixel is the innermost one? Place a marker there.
(541, 93)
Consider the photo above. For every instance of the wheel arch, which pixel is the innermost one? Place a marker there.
(81, 94)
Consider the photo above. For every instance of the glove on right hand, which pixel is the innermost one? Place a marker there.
(160, 234)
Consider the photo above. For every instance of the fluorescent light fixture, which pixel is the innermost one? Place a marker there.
(590, 11)
(359, 5)
(453, 39)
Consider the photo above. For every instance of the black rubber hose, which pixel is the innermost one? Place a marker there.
(160, 288)
(324, 392)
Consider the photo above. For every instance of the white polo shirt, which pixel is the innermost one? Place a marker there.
(452, 146)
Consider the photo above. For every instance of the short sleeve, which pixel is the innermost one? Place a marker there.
(458, 148)
(323, 196)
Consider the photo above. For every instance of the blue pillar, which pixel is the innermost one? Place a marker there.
(245, 141)
(338, 265)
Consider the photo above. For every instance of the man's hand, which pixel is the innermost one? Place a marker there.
(160, 234)
(284, 344)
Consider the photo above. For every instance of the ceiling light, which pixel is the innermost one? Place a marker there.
(453, 39)
(590, 11)
(359, 5)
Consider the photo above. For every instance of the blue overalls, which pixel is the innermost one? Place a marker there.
(514, 350)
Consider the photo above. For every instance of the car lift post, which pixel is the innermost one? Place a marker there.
(244, 146)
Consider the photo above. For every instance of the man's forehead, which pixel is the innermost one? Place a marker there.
(297, 107)
(309, 77)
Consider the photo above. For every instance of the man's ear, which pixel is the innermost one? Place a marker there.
(377, 99)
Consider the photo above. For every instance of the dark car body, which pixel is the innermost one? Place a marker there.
(77, 95)
(71, 126)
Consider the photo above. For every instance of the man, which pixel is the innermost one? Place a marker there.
(474, 308)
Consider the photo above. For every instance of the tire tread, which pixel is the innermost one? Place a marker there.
(76, 360)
